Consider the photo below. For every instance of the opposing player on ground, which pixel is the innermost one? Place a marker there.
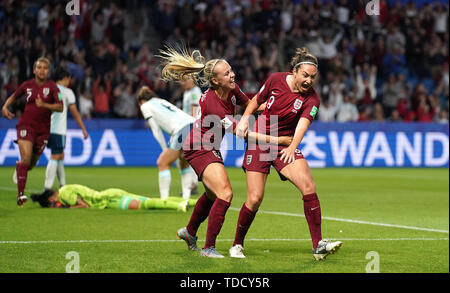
(58, 130)
(79, 196)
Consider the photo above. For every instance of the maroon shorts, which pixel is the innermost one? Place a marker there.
(200, 159)
(260, 160)
(38, 139)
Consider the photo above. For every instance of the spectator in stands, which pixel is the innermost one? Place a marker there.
(415, 56)
(395, 116)
(348, 112)
(394, 61)
(365, 115)
(365, 82)
(101, 91)
(86, 105)
(125, 105)
(392, 91)
(327, 111)
(378, 113)
(436, 56)
(443, 116)
(98, 27)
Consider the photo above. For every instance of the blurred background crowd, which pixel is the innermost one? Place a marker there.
(387, 67)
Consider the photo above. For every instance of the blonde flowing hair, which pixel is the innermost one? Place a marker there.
(180, 65)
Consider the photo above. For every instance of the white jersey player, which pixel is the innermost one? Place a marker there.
(163, 116)
(58, 130)
(191, 96)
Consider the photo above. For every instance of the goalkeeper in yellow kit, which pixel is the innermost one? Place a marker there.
(79, 196)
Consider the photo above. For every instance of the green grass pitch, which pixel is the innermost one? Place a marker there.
(399, 215)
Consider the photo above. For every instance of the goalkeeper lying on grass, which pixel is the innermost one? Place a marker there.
(79, 196)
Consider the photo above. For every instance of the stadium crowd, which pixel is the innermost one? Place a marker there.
(387, 67)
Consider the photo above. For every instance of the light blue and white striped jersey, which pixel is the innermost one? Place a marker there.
(168, 117)
(59, 119)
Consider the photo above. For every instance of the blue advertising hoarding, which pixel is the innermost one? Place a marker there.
(131, 143)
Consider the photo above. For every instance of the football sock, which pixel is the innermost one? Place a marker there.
(186, 182)
(22, 172)
(200, 213)
(192, 202)
(311, 207)
(245, 219)
(194, 177)
(157, 203)
(164, 178)
(50, 173)
(61, 173)
(215, 221)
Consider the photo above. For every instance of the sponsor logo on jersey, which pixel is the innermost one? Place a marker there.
(233, 100)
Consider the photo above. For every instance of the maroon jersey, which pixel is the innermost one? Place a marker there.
(33, 116)
(216, 116)
(285, 106)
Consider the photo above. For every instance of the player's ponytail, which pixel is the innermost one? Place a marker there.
(42, 198)
(145, 94)
(180, 65)
(302, 56)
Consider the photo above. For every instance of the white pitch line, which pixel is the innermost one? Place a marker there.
(219, 240)
(353, 221)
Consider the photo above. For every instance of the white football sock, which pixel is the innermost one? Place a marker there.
(50, 173)
(186, 182)
(164, 183)
(61, 173)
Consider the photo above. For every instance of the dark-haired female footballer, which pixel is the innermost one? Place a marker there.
(291, 98)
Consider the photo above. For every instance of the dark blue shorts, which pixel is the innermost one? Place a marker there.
(56, 143)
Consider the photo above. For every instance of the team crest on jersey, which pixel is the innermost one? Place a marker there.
(233, 100)
(249, 159)
(46, 91)
(23, 133)
(297, 104)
